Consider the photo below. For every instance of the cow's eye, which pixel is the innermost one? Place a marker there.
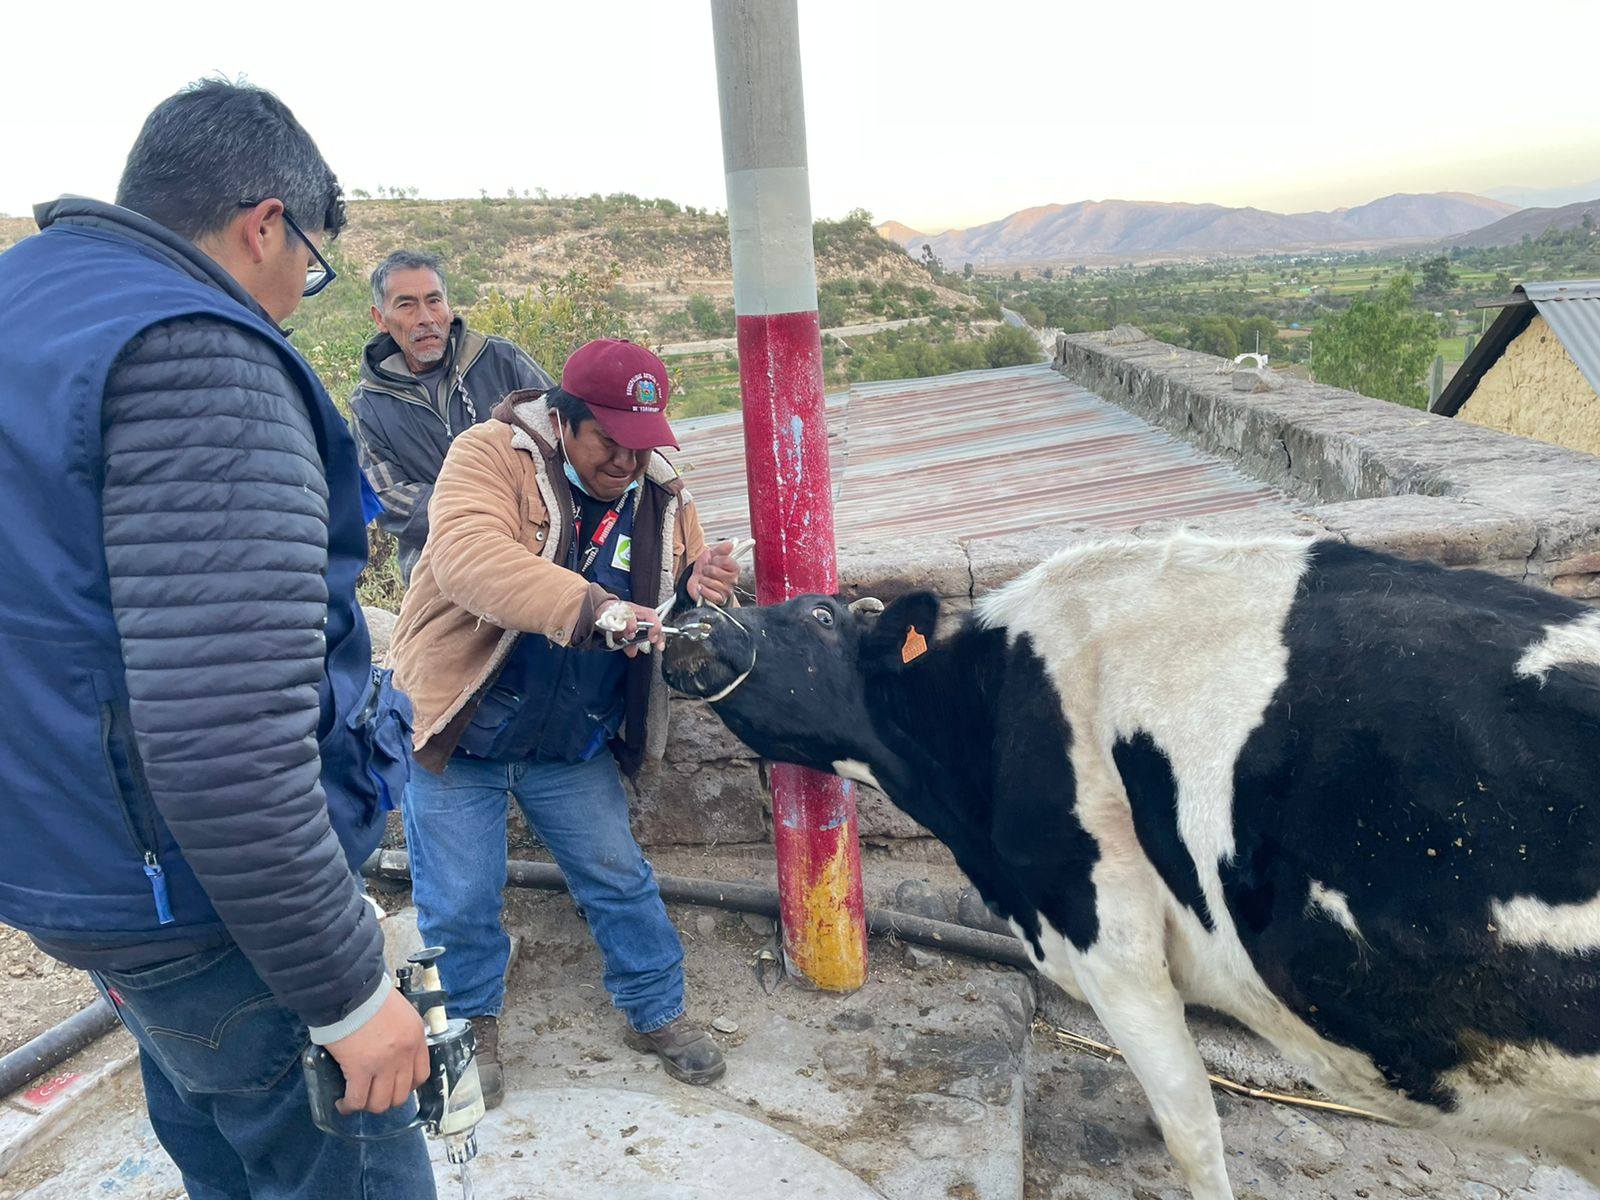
(824, 616)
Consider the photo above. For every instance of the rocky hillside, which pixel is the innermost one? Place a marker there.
(660, 252)
(1530, 222)
(1119, 230)
(14, 229)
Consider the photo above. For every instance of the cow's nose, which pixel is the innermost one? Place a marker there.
(705, 666)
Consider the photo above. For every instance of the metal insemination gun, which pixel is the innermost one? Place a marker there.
(450, 1100)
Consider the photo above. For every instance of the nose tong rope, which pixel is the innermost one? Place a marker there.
(697, 632)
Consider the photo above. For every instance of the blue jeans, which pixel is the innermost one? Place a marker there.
(222, 1081)
(456, 833)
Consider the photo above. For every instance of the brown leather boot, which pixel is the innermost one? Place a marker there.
(486, 1034)
(687, 1051)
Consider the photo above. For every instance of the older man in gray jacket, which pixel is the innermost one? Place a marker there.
(425, 378)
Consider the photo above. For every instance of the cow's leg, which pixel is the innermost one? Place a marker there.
(1143, 1012)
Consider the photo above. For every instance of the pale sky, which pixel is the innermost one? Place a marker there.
(925, 111)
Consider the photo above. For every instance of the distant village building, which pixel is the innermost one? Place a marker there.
(1537, 370)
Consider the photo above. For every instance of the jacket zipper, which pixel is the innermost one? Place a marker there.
(145, 840)
(458, 382)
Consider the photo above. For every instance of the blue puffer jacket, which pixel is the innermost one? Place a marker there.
(199, 747)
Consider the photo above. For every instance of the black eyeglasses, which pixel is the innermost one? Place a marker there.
(319, 274)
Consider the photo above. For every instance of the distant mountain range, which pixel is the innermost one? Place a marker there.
(1530, 221)
(1100, 230)
(1548, 197)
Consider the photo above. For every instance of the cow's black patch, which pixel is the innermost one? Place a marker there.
(1035, 827)
(987, 748)
(1153, 796)
(970, 739)
(1404, 764)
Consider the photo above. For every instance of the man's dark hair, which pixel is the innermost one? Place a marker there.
(215, 144)
(403, 260)
(569, 408)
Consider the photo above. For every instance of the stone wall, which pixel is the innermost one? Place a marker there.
(1535, 389)
(1366, 470)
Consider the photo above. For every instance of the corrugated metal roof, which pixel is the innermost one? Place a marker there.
(978, 454)
(1573, 312)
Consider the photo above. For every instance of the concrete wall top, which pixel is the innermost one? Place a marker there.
(1368, 471)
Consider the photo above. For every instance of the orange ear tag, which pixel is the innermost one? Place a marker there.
(916, 646)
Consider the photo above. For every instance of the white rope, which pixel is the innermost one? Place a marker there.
(729, 690)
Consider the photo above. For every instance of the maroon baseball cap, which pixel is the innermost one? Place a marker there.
(625, 386)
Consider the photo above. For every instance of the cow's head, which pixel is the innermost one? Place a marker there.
(796, 682)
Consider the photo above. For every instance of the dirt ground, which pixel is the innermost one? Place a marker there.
(35, 991)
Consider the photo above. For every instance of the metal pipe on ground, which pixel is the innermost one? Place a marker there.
(60, 1042)
(55, 1045)
(757, 898)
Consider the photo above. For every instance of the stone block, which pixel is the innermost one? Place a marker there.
(380, 625)
(1579, 587)
(878, 818)
(1246, 523)
(697, 735)
(1431, 527)
(891, 569)
(998, 560)
(695, 804)
(1255, 379)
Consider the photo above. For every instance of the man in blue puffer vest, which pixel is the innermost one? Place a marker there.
(204, 754)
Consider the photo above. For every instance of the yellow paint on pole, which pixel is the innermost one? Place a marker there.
(830, 945)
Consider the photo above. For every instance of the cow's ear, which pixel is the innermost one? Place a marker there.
(901, 635)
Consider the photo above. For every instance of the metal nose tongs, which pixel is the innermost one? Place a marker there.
(697, 632)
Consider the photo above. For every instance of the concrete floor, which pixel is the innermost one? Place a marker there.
(931, 1082)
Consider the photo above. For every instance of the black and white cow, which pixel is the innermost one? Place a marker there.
(1350, 800)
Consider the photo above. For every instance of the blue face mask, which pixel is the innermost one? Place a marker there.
(572, 475)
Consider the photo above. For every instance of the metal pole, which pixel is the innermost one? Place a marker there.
(786, 447)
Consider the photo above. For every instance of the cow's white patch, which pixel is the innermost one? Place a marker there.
(1108, 619)
(1521, 1094)
(1529, 921)
(1335, 906)
(1571, 642)
(850, 768)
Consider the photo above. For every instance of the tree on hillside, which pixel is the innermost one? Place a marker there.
(1437, 277)
(931, 261)
(1380, 346)
(1011, 346)
(553, 319)
(707, 317)
(1214, 335)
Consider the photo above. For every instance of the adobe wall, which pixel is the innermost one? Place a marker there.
(1536, 390)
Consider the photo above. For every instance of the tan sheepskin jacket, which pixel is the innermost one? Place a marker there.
(499, 528)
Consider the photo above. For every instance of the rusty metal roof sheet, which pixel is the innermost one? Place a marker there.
(975, 455)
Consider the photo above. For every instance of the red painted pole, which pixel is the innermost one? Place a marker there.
(786, 448)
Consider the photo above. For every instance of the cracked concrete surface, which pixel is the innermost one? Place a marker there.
(929, 1083)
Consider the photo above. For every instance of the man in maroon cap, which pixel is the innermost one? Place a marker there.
(556, 530)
